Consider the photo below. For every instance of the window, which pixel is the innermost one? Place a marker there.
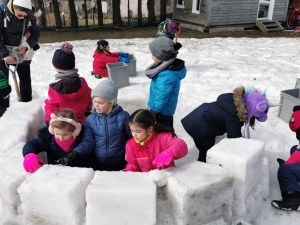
(196, 6)
(180, 4)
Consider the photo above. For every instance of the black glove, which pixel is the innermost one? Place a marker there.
(296, 108)
(280, 161)
(36, 47)
(66, 161)
(156, 114)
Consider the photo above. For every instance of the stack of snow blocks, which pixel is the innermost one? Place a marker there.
(244, 159)
(118, 72)
(132, 65)
(18, 132)
(52, 196)
(199, 193)
(121, 198)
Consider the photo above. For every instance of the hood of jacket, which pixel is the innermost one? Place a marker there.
(235, 107)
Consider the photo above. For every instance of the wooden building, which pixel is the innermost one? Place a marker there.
(230, 15)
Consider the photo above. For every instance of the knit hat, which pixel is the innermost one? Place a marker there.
(5, 88)
(106, 89)
(64, 59)
(102, 44)
(294, 122)
(172, 27)
(23, 3)
(256, 104)
(164, 48)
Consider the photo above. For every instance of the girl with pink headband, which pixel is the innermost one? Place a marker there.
(64, 133)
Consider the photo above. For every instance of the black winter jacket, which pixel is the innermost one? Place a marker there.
(46, 143)
(214, 119)
(12, 34)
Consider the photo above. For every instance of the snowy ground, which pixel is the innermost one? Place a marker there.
(214, 66)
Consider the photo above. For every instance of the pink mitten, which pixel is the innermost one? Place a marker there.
(164, 158)
(31, 162)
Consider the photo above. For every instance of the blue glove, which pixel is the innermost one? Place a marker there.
(125, 60)
(124, 54)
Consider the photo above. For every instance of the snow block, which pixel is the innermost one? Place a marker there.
(132, 99)
(204, 197)
(24, 127)
(55, 195)
(12, 175)
(247, 167)
(120, 198)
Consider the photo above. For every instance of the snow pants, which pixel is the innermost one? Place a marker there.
(288, 177)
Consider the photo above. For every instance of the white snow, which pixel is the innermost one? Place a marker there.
(215, 66)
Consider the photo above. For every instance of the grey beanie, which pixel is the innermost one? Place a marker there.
(106, 89)
(162, 48)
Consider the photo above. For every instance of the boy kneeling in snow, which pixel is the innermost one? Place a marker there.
(289, 172)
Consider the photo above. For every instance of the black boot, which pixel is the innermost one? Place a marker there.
(289, 202)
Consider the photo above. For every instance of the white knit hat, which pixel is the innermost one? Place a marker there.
(23, 3)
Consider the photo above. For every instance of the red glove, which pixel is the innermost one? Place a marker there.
(32, 162)
(164, 159)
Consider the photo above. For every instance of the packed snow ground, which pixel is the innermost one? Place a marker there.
(214, 66)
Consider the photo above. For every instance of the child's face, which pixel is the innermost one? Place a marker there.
(138, 133)
(62, 134)
(156, 60)
(102, 106)
(107, 48)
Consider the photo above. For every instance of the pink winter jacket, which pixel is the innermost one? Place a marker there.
(139, 158)
(80, 102)
(101, 59)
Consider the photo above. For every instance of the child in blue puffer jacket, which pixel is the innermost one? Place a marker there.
(106, 130)
(166, 73)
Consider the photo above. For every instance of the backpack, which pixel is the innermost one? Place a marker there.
(167, 28)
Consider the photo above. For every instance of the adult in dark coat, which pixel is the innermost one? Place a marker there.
(18, 21)
(226, 115)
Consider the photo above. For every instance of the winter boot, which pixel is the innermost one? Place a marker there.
(2, 110)
(289, 202)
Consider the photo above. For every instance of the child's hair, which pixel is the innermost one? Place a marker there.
(65, 119)
(145, 119)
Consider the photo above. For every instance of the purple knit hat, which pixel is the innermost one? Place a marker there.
(257, 105)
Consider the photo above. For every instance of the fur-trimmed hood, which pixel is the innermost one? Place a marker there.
(240, 104)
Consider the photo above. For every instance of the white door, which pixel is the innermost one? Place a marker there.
(265, 9)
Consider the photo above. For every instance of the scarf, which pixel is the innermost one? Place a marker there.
(142, 143)
(155, 68)
(67, 85)
(66, 145)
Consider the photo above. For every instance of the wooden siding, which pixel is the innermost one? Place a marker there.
(227, 12)
(186, 14)
(280, 10)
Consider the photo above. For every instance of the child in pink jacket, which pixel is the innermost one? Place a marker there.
(102, 56)
(153, 146)
(71, 90)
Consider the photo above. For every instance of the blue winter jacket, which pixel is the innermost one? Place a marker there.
(105, 136)
(164, 89)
